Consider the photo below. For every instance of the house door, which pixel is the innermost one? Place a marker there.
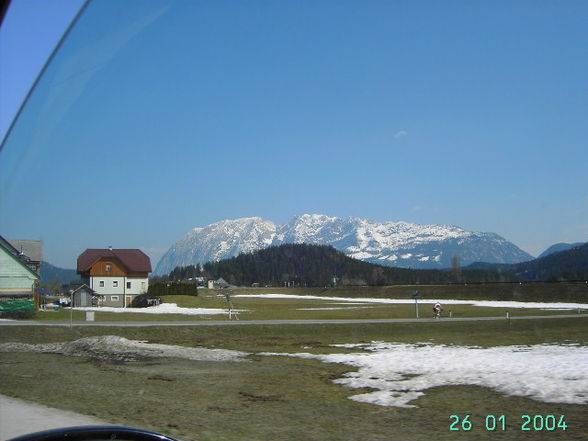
(128, 301)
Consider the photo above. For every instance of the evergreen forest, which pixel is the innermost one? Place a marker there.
(318, 265)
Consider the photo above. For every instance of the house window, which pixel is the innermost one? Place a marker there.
(101, 284)
(115, 283)
(114, 298)
(128, 285)
(108, 267)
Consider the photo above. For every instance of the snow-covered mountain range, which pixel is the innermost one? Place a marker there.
(400, 244)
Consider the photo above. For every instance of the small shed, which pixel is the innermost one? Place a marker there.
(221, 284)
(84, 296)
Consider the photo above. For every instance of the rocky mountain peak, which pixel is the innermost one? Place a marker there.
(401, 244)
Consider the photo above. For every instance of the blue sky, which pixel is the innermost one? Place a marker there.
(171, 117)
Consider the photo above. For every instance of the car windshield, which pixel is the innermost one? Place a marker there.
(334, 220)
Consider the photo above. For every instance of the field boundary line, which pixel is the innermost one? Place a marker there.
(281, 322)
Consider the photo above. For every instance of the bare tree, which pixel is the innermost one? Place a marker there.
(456, 269)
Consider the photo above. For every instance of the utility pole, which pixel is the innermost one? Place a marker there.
(416, 296)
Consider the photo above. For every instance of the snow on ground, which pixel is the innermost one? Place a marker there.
(481, 303)
(347, 303)
(164, 308)
(173, 308)
(114, 348)
(334, 308)
(401, 372)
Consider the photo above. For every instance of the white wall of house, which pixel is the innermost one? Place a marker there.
(125, 287)
(116, 300)
(107, 285)
(136, 285)
(119, 285)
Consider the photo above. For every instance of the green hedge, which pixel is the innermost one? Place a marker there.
(172, 288)
(17, 306)
(17, 309)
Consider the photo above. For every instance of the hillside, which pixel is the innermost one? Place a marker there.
(52, 275)
(317, 265)
(568, 265)
(559, 247)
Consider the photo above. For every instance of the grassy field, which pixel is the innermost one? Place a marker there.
(277, 398)
(283, 398)
(314, 309)
(526, 292)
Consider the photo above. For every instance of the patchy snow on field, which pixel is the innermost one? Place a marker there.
(401, 373)
(173, 308)
(114, 348)
(334, 308)
(348, 303)
(164, 308)
(481, 303)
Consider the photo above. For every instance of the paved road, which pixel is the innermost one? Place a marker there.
(18, 417)
(279, 322)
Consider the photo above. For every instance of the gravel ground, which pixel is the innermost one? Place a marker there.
(114, 348)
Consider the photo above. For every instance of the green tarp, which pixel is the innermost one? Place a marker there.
(17, 306)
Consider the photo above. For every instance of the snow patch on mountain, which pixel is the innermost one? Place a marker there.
(400, 244)
(218, 241)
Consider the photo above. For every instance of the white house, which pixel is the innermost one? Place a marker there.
(119, 275)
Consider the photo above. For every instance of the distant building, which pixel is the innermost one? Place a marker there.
(32, 249)
(200, 281)
(18, 277)
(119, 275)
(220, 283)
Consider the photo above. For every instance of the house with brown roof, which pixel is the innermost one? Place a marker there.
(118, 275)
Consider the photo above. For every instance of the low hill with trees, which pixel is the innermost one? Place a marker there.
(563, 266)
(52, 275)
(315, 265)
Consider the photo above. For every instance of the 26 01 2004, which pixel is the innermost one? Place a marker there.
(524, 423)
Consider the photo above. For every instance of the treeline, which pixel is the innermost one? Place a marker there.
(563, 266)
(315, 265)
(568, 265)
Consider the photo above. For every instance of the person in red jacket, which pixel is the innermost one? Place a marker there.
(437, 310)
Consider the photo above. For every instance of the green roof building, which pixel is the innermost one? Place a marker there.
(17, 278)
